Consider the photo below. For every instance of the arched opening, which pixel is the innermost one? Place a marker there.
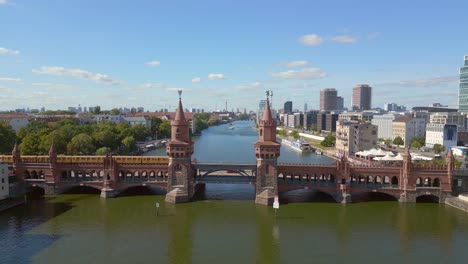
(64, 175)
(373, 197)
(141, 190)
(419, 182)
(27, 175)
(427, 182)
(35, 192)
(394, 182)
(34, 175)
(436, 182)
(41, 175)
(81, 190)
(378, 180)
(429, 198)
(306, 195)
(386, 180)
(261, 132)
(369, 179)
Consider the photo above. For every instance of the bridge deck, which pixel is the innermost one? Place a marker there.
(226, 179)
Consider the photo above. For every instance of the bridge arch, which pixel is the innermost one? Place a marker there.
(374, 196)
(307, 195)
(239, 172)
(80, 189)
(133, 190)
(427, 198)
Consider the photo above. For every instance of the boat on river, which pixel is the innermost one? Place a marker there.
(298, 145)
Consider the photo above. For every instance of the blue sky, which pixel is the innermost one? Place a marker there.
(137, 53)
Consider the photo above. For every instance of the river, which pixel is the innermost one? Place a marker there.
(228, 227)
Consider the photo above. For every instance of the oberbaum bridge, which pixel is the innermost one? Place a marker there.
(181, 177)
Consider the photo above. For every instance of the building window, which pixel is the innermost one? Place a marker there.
(261, 132)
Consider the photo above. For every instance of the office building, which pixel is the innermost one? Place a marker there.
(354, 136)
(288, 107)
(327, 122)
(408, 128)
(328, 99)
(385, 125)
(463, 92)
(362, 97)
(339, 103)
(443, 134)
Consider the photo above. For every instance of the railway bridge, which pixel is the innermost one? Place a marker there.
(180, 177)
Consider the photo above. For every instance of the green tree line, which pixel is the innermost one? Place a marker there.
(72, 138)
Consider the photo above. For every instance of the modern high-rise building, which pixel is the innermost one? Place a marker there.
(305, 107)
(288, 107)
(463, 92)
(339, 103)
(362, 97)
(328, 99)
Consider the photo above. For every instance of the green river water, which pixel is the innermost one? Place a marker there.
(227, 227)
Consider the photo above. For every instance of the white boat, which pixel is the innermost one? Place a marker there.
(297, 144)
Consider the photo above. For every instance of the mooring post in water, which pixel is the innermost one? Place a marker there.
(276, 204)
(157, 209)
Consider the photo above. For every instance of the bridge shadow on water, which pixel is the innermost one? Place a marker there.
(19, 243)
(305, 195)
(215, 191)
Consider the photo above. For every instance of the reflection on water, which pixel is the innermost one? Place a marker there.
(234, 144)
(88, 229)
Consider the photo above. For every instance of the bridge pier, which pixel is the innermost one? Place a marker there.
(266, 197)
(108, 192)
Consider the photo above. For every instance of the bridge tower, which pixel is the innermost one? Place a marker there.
(16, 156)
(267, 151)
(180, 185)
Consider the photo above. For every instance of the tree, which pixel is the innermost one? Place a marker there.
(81, 144)
(115, 111)
(105, 138)
(281, 132)
(313, 127)
(155, 123)
(328, 141)
(165, 129)
(388, 141)
(7, 138)
(129, 144)
(398, 141)
(97, 110)
(140, 132)
(416, 144)
(32, 128)
(294, 134)
(438, 148)
(31, 145)
(381, 139)
(102, 151)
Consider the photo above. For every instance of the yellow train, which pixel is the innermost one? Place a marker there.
(91, 159)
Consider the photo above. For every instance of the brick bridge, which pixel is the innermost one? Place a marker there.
(180, 176)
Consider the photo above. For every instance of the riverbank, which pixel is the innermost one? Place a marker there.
(460, 202)
(10, 203)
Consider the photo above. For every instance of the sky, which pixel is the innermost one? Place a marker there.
(56, 53)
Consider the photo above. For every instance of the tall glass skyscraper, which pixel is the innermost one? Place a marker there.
(463, 93)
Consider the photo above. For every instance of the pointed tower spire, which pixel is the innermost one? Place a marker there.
(180, 116)
(15, 153)
(267, 111)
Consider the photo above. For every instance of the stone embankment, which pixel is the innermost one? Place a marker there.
(460, 202)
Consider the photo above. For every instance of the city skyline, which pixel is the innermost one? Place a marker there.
(140, 54)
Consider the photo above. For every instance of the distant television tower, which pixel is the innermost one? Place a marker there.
(226, 107)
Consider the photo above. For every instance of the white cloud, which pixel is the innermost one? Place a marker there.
(56, 86)
(9, 79)
(302, 74)
(250, 86)
(153, 85)
(8, 51)
(436, 81)
(3, 2)
(175, 89)
(291, 64)
(153, 63)
(311, 40)
(196, 80)
(216, 76)
(77, 73)
(344, 39)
